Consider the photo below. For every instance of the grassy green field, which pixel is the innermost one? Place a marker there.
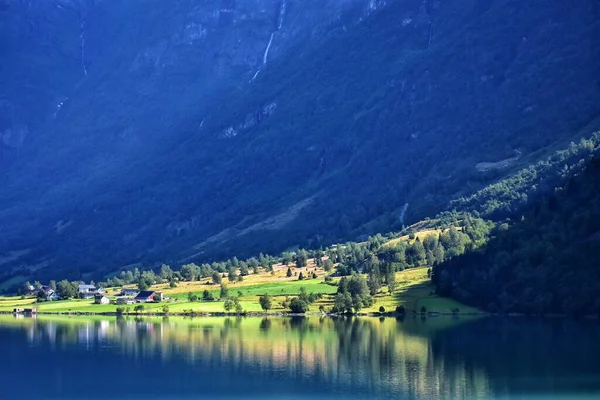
(414, 291)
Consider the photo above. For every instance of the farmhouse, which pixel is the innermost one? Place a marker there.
(86, 288)
(129, 292)
(148, 297)
(124, 300)
(100, 299)
(87, 291)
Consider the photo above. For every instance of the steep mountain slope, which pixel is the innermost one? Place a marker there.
(365, 115)
(545, 263)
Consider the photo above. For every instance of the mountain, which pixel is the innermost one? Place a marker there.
(143, 132)
(546, 262)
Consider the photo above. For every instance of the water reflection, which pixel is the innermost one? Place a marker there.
(344, 357)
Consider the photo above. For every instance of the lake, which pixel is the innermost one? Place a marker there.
(53, 357)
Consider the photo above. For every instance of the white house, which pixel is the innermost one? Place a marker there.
(100, 299)
(86, 288)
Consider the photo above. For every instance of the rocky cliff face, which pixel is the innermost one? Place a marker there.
(58, 50)
(178, 130)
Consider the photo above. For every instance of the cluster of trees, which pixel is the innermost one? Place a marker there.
(544, 262)
(233, 269)
(352, 294)
(381, 260)
(301, 304)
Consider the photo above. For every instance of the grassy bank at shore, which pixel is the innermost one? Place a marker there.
(413, 291)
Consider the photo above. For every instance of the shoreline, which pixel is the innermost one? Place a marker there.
(295, 315)
(246, 314)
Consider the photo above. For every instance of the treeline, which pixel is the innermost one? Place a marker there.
(232, 269)
(545, 262)
(380, 258)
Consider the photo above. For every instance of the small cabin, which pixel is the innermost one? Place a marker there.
(29, 311)
(100, 299)
(18, 311)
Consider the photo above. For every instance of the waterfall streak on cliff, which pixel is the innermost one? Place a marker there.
(266, 55)
(82, 37)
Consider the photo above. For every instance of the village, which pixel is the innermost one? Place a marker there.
(126, 296)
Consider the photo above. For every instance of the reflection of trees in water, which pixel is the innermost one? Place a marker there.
(521, 353)
(382, 356)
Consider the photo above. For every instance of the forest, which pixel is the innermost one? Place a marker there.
(546, 261)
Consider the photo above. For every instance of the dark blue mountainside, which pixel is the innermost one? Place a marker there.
(167, 131)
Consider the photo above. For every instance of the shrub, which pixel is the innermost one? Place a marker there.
(298, 306)
(382, 309)
(401, 309)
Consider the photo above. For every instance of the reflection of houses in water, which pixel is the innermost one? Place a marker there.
(357, 353)
(51, 332)
(103, 328)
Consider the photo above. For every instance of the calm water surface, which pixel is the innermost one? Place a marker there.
(304, 358)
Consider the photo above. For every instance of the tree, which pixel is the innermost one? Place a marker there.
(192, 297)
(289, 272)
(143, 285)
(243, 269)
(374, 281)
(207, 296)
(298, 306)
(216, 278)
(304, 296)
(190, 272)
(265, 302)
(165, 309)
(391, 281)
(342, 302)
(139, 308)
(301, 258)
(253, 264)
(224, 291)
(382, 309)
(228, 305)
(238, 306)
(439, 253)
(66, 290)
(357, 302)
(287, 258)
(53, 285)
(300, 277)
(415, 253)
(232, 274)
(166, 272)
(328, 265)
